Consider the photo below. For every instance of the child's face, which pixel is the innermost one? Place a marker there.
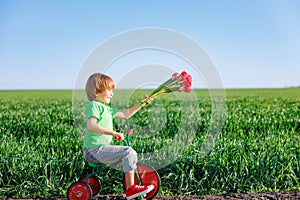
(104, 96)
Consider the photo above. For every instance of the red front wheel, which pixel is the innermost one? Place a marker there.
(79, 191)
(148, 176)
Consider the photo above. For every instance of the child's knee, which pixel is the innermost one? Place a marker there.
(131, 153)
(129, 160)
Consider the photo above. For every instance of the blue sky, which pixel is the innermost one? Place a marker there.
(253, 43)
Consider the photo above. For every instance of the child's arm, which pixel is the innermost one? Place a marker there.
(126, 114)
(96, 128)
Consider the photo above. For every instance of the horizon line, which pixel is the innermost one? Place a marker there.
(69, 89)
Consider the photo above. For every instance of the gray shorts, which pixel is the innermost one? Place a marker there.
(111, 154)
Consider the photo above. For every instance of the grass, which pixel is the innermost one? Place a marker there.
(257, 151)
(39, 94)
(67, 94)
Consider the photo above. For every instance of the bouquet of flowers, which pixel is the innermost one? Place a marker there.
(178, 82)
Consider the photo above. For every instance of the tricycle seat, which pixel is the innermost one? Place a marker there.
(96, 164)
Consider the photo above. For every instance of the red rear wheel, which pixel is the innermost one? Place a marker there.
(79, 191)
(148, 176)
(94, 183)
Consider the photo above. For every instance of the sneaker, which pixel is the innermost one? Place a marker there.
(136, 190)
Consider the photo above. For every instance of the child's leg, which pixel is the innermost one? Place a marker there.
(110, 154)
(129, 178)
(132, 190)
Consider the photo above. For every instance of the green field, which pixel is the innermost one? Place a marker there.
(257, 148)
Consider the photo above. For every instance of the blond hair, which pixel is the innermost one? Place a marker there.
(98, 83)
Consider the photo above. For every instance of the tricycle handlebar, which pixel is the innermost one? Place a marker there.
(126, 139)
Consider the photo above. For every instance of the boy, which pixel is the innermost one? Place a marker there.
(99, 132)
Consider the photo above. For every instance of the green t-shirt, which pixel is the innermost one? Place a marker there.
(104, 115)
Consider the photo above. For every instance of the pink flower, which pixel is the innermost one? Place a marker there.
(130, 131)
(187, 83)
(178, 82)
(187, 89)
(175, 75)
(184, 75)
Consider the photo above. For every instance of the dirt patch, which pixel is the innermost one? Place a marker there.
(261, 196)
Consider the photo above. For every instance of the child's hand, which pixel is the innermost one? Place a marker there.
(119, 136)
(148, 100)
